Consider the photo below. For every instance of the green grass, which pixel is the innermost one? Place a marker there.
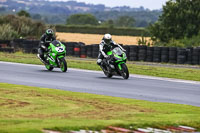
(179, 73)
(26, 109)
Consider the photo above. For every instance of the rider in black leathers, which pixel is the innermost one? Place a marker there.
(45, 40)
(106, 45)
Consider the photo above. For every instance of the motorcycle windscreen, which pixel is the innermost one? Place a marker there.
(117, 51)
(56, 43)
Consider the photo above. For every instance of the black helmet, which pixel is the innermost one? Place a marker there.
(49, 32)
(107, 38)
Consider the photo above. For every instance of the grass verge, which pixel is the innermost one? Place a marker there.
(31, 109)
(178, 73)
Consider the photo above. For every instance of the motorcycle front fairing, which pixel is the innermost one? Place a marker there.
(56, 51)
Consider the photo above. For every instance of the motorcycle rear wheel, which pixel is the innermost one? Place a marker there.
(108, 74)
(48, 67)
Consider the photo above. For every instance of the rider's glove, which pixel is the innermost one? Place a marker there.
(124, 50)
(44, 47)
(106, 56)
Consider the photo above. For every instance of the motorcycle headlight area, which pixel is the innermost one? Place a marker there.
(59, 49)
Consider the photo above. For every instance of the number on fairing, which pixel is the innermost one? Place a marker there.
(59, 49)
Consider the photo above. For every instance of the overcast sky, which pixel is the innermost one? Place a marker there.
(151, 4)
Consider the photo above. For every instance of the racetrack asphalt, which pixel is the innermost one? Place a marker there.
(76, 80)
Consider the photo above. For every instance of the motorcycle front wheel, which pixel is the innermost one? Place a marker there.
(63, 65)
(125, 72)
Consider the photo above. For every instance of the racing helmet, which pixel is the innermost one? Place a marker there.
(49, 32)
(107, 38)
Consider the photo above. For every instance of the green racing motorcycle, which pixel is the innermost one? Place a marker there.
(55, 56)
(115, 64)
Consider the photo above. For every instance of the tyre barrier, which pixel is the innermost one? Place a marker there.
(95, 50)
(83, 51)
(133, 54)
(89, 50)
(173, 55)
(157, 54)
(165, 54)
(196, 56)
(181, 56)
(4, 43)
(149, 54)
(8, 50)
(30, 46)
(142, 53)
(69, 48)
(189, 55)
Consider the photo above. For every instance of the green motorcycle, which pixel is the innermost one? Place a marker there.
(55, 57)
(115, 64)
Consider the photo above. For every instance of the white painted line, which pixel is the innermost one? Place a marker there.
(186, 127)
(131, 75)
(154, 130)
(144, 130)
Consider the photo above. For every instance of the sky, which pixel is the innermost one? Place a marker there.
(151, 4)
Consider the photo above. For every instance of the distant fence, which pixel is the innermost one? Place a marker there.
(134, 53)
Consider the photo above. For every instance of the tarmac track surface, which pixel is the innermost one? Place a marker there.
(76, 80)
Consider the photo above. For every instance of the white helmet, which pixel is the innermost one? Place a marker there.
(107, 38)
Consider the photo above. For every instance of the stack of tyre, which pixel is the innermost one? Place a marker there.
(95, 50)
(142, 53)
(83, 53)
(196, 56)
(30, 46)
(157, 54)
(89, 50)
(17, 44)
(133, 53)
(149, 54)
(181, 56)
(189, 55)
(173, 55)
(70, 48)
(5, 46)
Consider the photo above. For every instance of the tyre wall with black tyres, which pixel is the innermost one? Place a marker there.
(181, 56)
(189, 55)
(142, 53)
(4, 43)
(8, 50)
(83, 52)
(89, 50)
(173, 55)
(149, 54)
(157, 54)
(95, 50)
(195, 56)
(70, 48)
(165, 54)
(133, 54)
(29, 45)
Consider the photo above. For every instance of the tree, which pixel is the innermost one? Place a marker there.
(24, 13)
(82, 19)
(180, 18)
(125, 21)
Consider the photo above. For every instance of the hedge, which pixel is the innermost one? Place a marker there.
(102, 30)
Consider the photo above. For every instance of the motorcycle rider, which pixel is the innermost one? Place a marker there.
(106, 45)
(45, 40)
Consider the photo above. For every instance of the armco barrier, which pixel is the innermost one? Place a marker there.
(134, 52)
